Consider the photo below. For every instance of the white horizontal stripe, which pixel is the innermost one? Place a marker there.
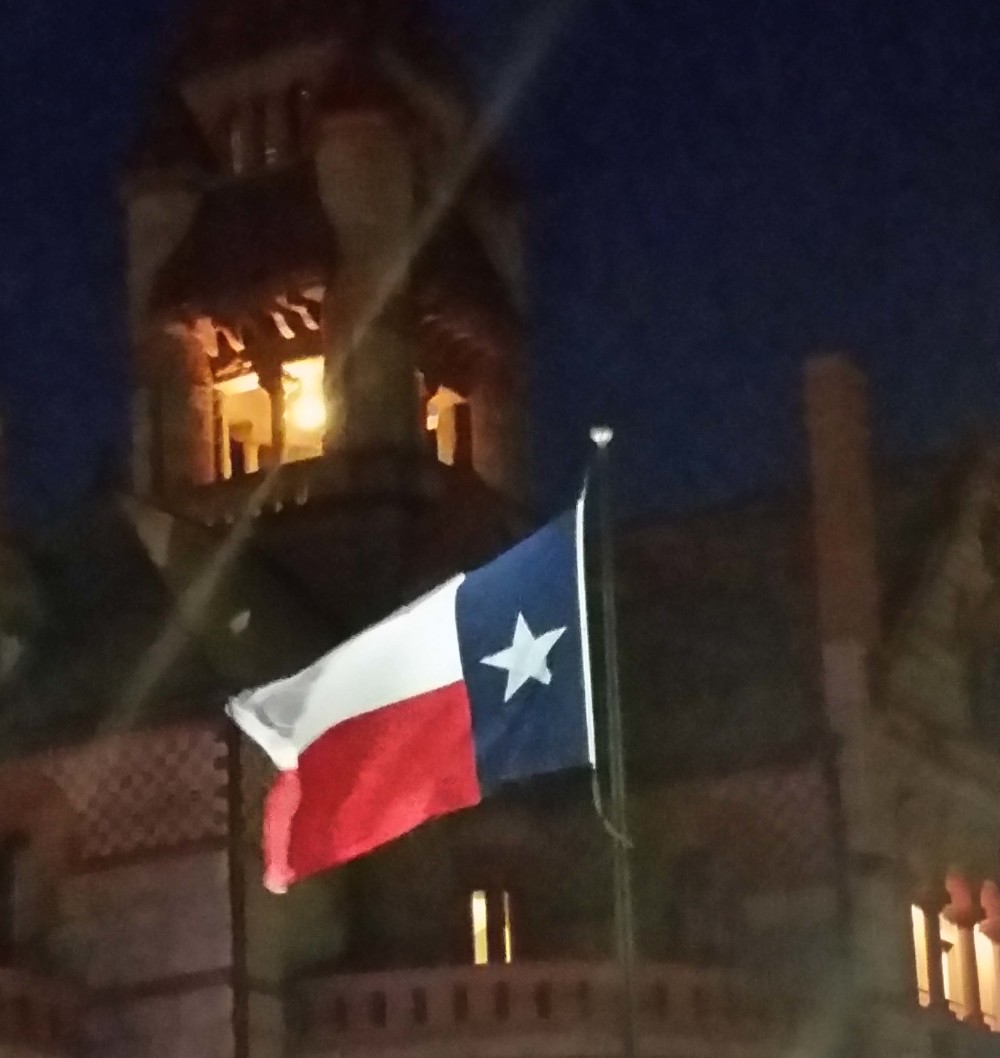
(412, 652)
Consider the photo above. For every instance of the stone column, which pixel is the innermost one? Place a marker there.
(223, 456)
(277, 395)
(158, 215)
(990, 928)
(202, 403)
(365, 179)
(966, 919)
(965, 912)
(931, 904)
(271, 382)
(188, 413)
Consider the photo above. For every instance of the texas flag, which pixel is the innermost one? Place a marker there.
(483, 681)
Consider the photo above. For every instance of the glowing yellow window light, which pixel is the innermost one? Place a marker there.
(480, 908)
(305, 408)
(920, 951)
(508, 947)
(480, 940)
(987, 977)
(308, 413)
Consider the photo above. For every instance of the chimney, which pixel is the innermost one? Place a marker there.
(847, 580)
(879, 955)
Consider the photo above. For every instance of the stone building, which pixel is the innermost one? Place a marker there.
(324, 292)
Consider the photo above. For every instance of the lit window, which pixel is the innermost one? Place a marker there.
(246, 423)
(491, 927)
(305, 408)
(480, 942)
(508, 951)
(447, 418)
(920, 951)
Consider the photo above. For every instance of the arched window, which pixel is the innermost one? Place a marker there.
(13, 895)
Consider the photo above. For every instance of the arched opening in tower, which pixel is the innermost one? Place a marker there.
(268, 382)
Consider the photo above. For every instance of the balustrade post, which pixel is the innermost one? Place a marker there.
(276, 391)
(931, 904)
(966, 920)
(990, 928)
(965, 913)
(272, 382)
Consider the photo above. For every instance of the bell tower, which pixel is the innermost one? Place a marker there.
(324, 284)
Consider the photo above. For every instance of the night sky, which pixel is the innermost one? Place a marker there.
(714, 190)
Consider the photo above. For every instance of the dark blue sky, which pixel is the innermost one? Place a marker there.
(714, 190)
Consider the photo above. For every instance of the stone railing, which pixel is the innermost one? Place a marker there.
(295, 484)
(958, 1040)
(38, 1015)
(553, 1008)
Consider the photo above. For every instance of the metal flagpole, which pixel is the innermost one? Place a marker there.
(624, 925)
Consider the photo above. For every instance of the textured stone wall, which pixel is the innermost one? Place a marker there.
(158, 217)
(145, 922)
(195, 1023)
(950, 621)
(131, 870)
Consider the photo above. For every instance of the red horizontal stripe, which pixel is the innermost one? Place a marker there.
(373, 777)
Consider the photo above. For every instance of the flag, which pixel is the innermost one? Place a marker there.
(481, 682)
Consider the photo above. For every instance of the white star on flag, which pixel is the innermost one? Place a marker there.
(526, 658)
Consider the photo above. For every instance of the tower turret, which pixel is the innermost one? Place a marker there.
(323, 290)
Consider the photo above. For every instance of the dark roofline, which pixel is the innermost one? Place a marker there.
(963, 452)
(917, 498)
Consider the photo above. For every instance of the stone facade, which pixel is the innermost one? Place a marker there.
(324, 277)
(897, 697)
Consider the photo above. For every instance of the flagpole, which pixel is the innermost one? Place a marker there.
(624, 918)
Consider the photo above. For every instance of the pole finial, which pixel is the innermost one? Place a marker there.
(601, 435)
